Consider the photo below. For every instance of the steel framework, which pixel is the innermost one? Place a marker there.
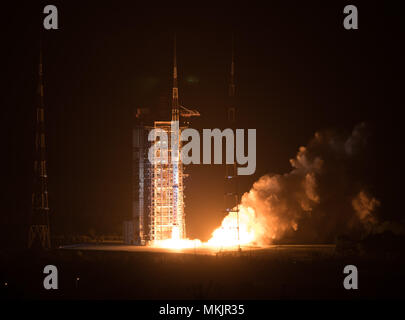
(231, 177)
(158, 188)
(39, 234)
(167, 218)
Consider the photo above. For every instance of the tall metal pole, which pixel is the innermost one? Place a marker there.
(232, 97)
(231, 193)
(39, 222)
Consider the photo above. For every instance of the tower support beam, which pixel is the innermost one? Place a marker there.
(39, 231)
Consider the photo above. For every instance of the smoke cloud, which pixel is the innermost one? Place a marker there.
(323, 195)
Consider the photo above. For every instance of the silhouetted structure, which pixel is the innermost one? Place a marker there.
(38, 234)
(158, 189)
(231, 175)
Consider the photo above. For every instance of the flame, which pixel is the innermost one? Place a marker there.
(226, 236)
(176, 243)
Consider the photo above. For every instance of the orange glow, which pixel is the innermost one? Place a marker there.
(176, 243)
(225, 236)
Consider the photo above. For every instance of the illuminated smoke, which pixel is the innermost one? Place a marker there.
(323, 196)
(319, 199)
(364, 207)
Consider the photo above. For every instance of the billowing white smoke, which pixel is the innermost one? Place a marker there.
(320, 198)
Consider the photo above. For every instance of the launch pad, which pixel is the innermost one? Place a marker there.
(296, 250)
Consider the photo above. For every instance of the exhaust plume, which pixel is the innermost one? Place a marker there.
(322, 196)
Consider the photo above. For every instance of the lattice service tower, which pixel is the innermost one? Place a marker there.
(158, 188)
(39, 234)
(231, 177)
(167, 211)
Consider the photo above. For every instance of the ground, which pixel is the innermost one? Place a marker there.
(128, 272)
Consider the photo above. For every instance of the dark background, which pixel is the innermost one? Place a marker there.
(297, 71)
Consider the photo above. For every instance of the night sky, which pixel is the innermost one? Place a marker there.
(297, 71)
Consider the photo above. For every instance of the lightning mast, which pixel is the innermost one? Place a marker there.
(39, 222)
(231, 181)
